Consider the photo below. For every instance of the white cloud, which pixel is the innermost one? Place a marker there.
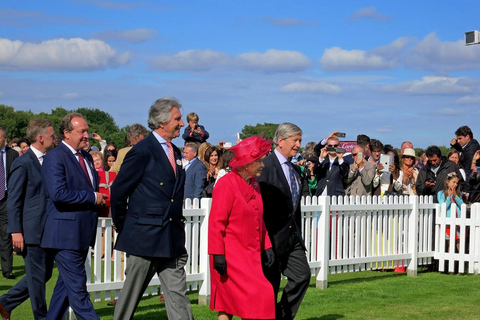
(288, 22)
(313, 87)
(73, 54)
(71, 96)
(430, 54)
(337, 59)
(134, 36)
(468, 100)
(191, 60)
(451, 112)
(200, 60)
(275, 60)
(431, 85)
(433, 54)
(369, 13)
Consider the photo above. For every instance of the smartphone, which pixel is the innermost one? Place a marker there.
(340, 150)
(360, 154)
(341, 134)
(330, 149)
(90, 135)
(227, 145)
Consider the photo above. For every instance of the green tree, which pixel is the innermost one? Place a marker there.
(267, 130)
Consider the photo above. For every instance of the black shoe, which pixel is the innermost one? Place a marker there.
(9, 275)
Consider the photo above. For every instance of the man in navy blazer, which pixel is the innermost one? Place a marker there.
(147, 204)
(331, 170)
(196, 172)
(281, 186)
(71, 183)
(26, 217)
(6, 248)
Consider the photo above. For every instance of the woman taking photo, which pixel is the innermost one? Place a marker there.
(213, 162)
(409, 171)
(238, 239)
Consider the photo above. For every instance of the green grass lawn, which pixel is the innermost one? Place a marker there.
(361, 295)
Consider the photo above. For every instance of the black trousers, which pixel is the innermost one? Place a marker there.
(293, 265)
(6, 244)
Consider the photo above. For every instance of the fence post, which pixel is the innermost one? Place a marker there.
(413, 237)
(204, 290)
(323, 233)
(475, 236)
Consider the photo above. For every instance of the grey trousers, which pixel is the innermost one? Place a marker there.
(140, 271)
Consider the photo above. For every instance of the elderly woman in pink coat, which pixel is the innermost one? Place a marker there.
(238, 240)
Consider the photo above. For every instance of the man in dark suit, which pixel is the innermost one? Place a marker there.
(6, 247)
(196, 172)
(281, 187)
(26, 217)
(71, 183)
(331, 170)
(467, 146)
(147, 203)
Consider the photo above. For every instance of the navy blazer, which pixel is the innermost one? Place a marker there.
(331, 177)
(147, 202)
(26, 198)
(71, 212)
(195, 179)
(279, 215)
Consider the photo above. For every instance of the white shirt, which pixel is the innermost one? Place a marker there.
(285, 167)
(38, 154)
(87, 164)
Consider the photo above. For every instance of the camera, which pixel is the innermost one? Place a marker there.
(330, 149)
(341, 134)
(196, 127)
(90, 135)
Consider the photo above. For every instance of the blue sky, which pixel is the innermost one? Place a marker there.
(392, 70)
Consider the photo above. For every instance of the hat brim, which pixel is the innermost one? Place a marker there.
(236, 162)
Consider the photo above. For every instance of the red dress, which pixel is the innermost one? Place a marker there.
(104, 187)
(236, 229)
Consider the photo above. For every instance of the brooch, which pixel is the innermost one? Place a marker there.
(179, 163)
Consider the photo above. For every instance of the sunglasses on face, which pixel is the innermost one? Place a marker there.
(332, 145)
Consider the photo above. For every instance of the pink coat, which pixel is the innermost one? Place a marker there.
(236, 230)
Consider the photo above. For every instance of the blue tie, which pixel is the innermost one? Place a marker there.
(293, 185)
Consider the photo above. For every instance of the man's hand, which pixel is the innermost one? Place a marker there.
(17, 239)
(332, 135)
(323, 153)
(429, 184)
(101, 199)
(453, 142)
(339, 155)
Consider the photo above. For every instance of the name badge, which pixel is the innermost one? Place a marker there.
(179, 163)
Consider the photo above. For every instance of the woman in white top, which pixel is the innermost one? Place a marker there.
(409, 171)
(390, 181)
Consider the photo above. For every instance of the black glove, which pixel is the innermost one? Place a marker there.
(269, 258)
(220, 264)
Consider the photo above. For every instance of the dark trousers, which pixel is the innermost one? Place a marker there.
(293, 265)
(71, 287)
(38, 267)
(6, 245)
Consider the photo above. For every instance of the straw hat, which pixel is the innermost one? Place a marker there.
(409, 152)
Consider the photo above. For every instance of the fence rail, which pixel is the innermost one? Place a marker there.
(344, 234)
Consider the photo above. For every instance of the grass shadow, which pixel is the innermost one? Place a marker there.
(328, 317)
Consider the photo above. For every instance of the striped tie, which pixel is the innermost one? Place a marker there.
(171, 157)
(293, 185)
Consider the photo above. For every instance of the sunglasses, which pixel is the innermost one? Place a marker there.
(332, 145)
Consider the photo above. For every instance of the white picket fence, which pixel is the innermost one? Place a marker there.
(345, 234)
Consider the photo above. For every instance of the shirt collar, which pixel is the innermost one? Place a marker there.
(281, 158)
(159, 138)
(38, 153)
(70, 147)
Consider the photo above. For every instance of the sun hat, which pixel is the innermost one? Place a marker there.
(250, 149)
(409, 152)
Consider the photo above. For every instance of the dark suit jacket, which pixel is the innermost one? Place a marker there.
(466, 156)
(10, 156)
(331, 177)
(195, 179)
(26, 198)
(278, 212)
(71, 212)
(147, 202)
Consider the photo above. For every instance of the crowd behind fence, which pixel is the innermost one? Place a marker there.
(342, 234)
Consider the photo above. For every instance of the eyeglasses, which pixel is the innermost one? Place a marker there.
(354, 154)
(332, 145)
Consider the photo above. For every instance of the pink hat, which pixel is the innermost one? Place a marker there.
(250, 149)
